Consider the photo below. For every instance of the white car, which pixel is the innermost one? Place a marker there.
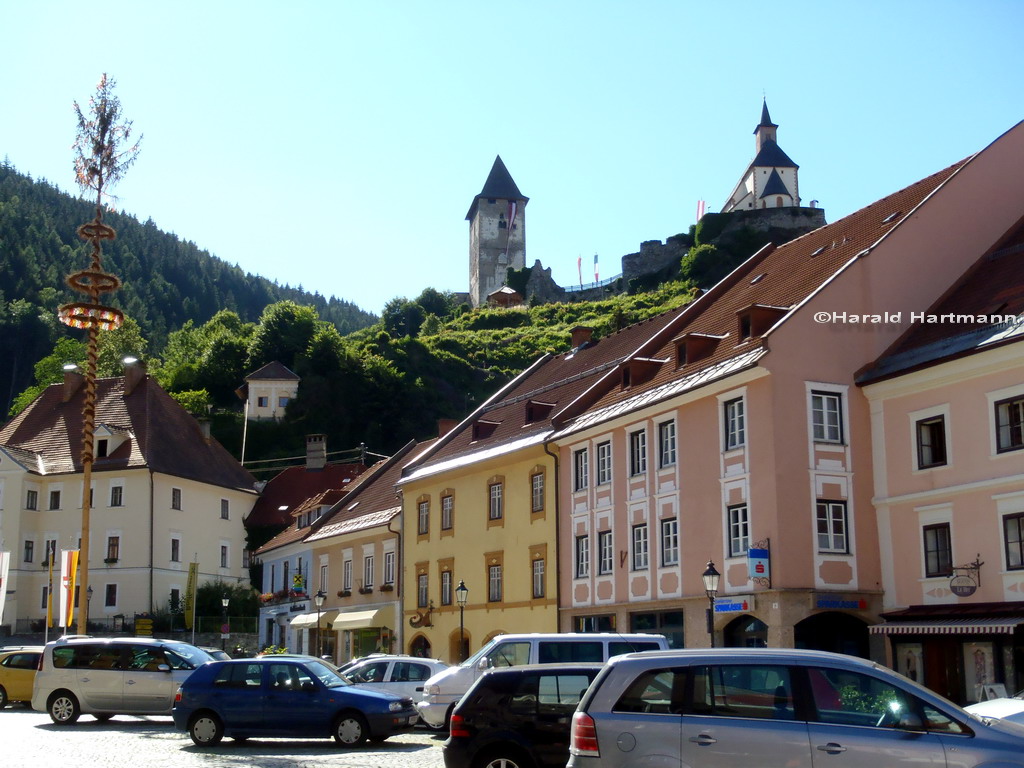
(399, 675)
(1007, 708)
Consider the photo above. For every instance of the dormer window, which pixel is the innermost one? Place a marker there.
(693, 347)
(484, 429)
(757, 319)
(102, 447)
(640, 370)
(537, 410)
(745, 326)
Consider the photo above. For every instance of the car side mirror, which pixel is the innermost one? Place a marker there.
(485, 663)
(164, 667)
(309, 687)
(909, 721)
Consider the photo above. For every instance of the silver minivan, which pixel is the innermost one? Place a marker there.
(442, 691)
(110, 676)
(776, 707)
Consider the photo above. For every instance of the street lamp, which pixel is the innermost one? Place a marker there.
(88, 605)
(711, 578)
(224, 621)
(461, 595)
(319, 598)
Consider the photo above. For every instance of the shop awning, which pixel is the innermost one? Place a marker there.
(993, 626)
(359, 619)
(307, 620)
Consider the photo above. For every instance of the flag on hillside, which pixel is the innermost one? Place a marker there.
(597, 277)
(68, 574)
(5, 564)
(700, 210)
(190, 595)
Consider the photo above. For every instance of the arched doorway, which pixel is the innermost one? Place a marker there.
(746, 631)
(420, 646)
(833, 631)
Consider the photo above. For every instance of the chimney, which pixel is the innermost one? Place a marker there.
(581, 335)
(134, 374)
(73, 381)
(316, 451)
(444, 426)
(204, 428)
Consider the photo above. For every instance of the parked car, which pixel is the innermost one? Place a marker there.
(443, 690)
(298, 657)
(776, 707)
(517, 717)
(110, 676)
(17, 672)
(273, 696)
(1004, 708)
(400, 675)
(217, 654)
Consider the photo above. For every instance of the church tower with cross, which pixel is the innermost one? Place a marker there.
(497, 233)
(770, 180)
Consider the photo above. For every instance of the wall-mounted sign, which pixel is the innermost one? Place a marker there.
(962, 585)
(734, 604)
(758, 563)
(825, 602)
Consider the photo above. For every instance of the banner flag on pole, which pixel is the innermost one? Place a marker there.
(68, 571)
(51, 555)
(700, 210)
(5, 564)
(597, 277)
(579, 268)
(190, 595)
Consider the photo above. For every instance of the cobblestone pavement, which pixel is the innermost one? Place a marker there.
(30, 740)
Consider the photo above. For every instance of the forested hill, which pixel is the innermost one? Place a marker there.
(166, 281)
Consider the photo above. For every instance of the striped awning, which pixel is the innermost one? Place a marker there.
(1001, 626)
(307, 620)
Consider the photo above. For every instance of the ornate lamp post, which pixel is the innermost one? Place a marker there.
(461, 595)
(319, 598)
(711, 578)
(224, 622)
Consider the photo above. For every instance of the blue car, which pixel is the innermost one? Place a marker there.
(241, 698)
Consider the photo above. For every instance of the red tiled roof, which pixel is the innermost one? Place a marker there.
(164, 437)
(291, 487)
(274, 370)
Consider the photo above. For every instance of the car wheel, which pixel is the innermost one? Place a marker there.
(350, 729)
(507, 757)
(63, 708)
(205, 729)
(4, 701)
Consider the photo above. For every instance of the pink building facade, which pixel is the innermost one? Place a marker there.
(738, 427)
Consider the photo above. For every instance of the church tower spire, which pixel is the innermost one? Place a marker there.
(771, 179)
(497, 233)
(766, 129)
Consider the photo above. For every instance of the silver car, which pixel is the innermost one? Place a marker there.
(776, 707)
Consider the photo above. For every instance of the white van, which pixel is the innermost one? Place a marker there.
(109, 676)
(442, 692)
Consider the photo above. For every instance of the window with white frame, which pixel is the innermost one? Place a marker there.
(496, 509)
(582, 557)
(670, 542)
(225, 559)
(827, 417)
(110, 596)
(931, 442)
(1013, 539)
(389, 567)
(832, 526)
(1010, 424)
(538, 577)
(422, 594)
(537, 492)
(423, 518)
(938, 550)
(735, 423)
(113, 548)
(446, 587)
(494, 583)
(447, 512)
(640, 547)
(739, 530)
(175, 498)
(31, 499)
(368, 571)
(346, 575)
(225, 509)
(323, 577)
(666, 444)
(604, 462)
(581, 469)
(117, 495)
(54, 500)
(30, 550)
(637, 452)
(175, 549)
(605, 553)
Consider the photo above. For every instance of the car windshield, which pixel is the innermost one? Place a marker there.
(194, 656)
(326, 675)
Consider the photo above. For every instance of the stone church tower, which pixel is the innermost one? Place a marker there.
(770, 181)
(497, 233)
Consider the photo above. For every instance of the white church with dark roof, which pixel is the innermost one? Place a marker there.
(770, 180)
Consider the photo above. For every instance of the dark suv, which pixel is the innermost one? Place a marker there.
(517, 717)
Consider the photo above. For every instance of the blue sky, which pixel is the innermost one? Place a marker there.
(338, 145)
